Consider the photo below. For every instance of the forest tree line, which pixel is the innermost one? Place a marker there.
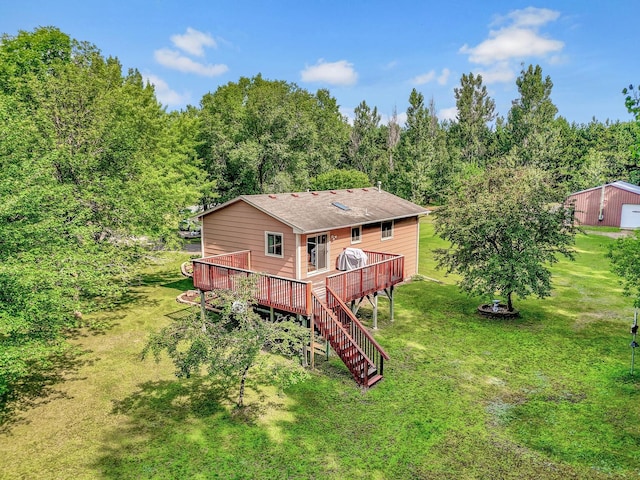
(95, 172)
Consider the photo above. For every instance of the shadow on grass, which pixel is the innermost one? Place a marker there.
(173, 428)
(195, 397)
(180, 285)
(38, 387)
(164, 277)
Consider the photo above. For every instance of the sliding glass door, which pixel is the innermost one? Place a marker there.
(317, 253)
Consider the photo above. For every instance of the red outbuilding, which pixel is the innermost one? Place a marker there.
(614, 204)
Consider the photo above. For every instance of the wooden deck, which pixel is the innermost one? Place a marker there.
(281, 293)
(325, 305)
(294, 296)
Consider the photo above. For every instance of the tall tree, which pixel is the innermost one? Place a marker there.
(31, 53)
(393, 138)
(413, 179)
(340, 179)
(504, 230)
(534, 137)
(331, 135)
(366, 141)
(88, 170)
(475, 111)
(632, 102)
(625, 253)
(259, 136)
(445, 167)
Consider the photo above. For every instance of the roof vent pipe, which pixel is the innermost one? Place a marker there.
(379, 186)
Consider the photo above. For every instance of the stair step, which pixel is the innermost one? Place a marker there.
(373, 380)
(337, 335)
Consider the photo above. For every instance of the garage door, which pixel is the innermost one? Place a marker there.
(630, 217)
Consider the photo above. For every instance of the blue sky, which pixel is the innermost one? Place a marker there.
(376, 51)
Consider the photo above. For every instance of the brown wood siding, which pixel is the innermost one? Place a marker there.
(240, 226)
(405, 234)
(587, 205)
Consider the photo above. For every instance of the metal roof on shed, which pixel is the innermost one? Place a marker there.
(629, 187)
(308, 212)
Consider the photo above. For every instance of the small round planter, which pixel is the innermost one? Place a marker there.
(487, 310)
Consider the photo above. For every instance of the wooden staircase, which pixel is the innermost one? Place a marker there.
(349, 339)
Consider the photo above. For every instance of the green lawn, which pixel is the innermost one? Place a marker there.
(546, 396)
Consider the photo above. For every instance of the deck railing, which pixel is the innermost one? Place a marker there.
(240, 259)
(372, 349)
(383, 271)
(282, 293)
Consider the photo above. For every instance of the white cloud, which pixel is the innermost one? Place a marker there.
(559, 59)
(518, 37)
(529, 17)
(448, 113)
(499, 73)
(444, 76)
(511, 43)
(193, 42)
(431, 76)
(164, 94)
(176, 61)
(334, 73)
(424, 78)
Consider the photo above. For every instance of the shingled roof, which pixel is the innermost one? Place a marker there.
(308, 212)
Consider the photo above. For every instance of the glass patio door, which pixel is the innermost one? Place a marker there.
(317, 253)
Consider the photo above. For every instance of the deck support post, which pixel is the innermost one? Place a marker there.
(271, 314)
(203, 308)
(375, 310)
(390, 295)
(313, 348)
(306, 322)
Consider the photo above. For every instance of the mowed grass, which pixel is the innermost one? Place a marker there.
(548, 395)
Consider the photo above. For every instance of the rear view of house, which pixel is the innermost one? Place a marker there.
(300, 235)
(614, 204)
(313, 253)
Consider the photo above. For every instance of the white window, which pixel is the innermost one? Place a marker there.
(387, 230)
(356, 234)
(273, 244)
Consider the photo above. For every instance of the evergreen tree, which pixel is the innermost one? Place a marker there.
(475, 111)
(533, 135)
(366, 141)
(413, 176)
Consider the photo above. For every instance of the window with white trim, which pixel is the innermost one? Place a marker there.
(356, 234)
(273, 244)
(387, 230)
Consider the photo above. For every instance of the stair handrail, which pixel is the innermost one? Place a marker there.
(357, 322)
(333, 317)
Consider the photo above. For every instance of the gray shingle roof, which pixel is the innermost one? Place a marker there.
(307, 212)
